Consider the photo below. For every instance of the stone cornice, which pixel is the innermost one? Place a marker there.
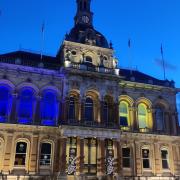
(72, 131)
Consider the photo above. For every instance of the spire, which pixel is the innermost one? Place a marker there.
(84, 16)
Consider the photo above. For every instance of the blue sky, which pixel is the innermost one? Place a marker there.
(148, 23)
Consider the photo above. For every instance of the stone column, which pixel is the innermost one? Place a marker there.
(62, 160)
(131, 118)
(37, 115)
(138, 159)
(117, 159)
(13, 113)
(82, 109)
(116, 113)
(7, 154)
(133, 158)
(102, 112)
(79, 110)
(136, 123)
(174, 124)
(80, 156)
(101, 170)
(175, 159)
(167, 123)
(64, 109)
(157, 158)
(154, 128)
(33, 165)
(150, 120)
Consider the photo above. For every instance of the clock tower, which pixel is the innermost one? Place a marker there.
(84, 16)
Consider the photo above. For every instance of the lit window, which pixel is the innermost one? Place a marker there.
(71, 112)
(5, 103)
(49, 109)
(25, 108)
(159, 119)
(20, 156)
(89, 112)
(90, 153)
(142, 116)
(123, 114)
(45, 157)
(126, 157)
(165, 159)
(145, 158)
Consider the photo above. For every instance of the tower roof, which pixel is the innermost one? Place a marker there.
(83, 30)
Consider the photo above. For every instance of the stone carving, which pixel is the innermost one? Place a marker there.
(68, 56)
(115, 62)
(72, 162)
(110, 167)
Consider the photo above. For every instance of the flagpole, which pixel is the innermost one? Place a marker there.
(130, 55)
(162, 56)
(42, 40)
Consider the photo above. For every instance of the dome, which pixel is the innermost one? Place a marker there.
(87, 35)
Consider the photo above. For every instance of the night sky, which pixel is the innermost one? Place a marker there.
(148, 23)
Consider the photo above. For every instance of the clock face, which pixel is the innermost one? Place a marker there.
(85, 19)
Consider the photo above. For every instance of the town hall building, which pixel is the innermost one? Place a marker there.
(77, 116)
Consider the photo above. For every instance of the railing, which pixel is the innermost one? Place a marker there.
(90, 124)
(31, 63)
(92, 68)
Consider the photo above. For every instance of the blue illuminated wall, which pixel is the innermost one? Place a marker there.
(25, 106)
(5, 103)
(49, 108)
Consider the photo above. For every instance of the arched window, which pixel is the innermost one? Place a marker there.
(159, 115)
(165, 158)
(25, 108)
(49, 108)
(5, 103)
(142, 116)
(20, 154)
(45, 156)
(123, 114)
(71, 111)
(88, 59)
(89, 112)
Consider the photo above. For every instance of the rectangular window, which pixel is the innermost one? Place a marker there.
(164, 157)
(90, 156)
(20, 156)
(126, 156)
(45, 157)
(145, 158)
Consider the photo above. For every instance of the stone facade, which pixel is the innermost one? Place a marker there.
(78, 116)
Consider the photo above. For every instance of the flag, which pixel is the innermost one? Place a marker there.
(129, 43)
